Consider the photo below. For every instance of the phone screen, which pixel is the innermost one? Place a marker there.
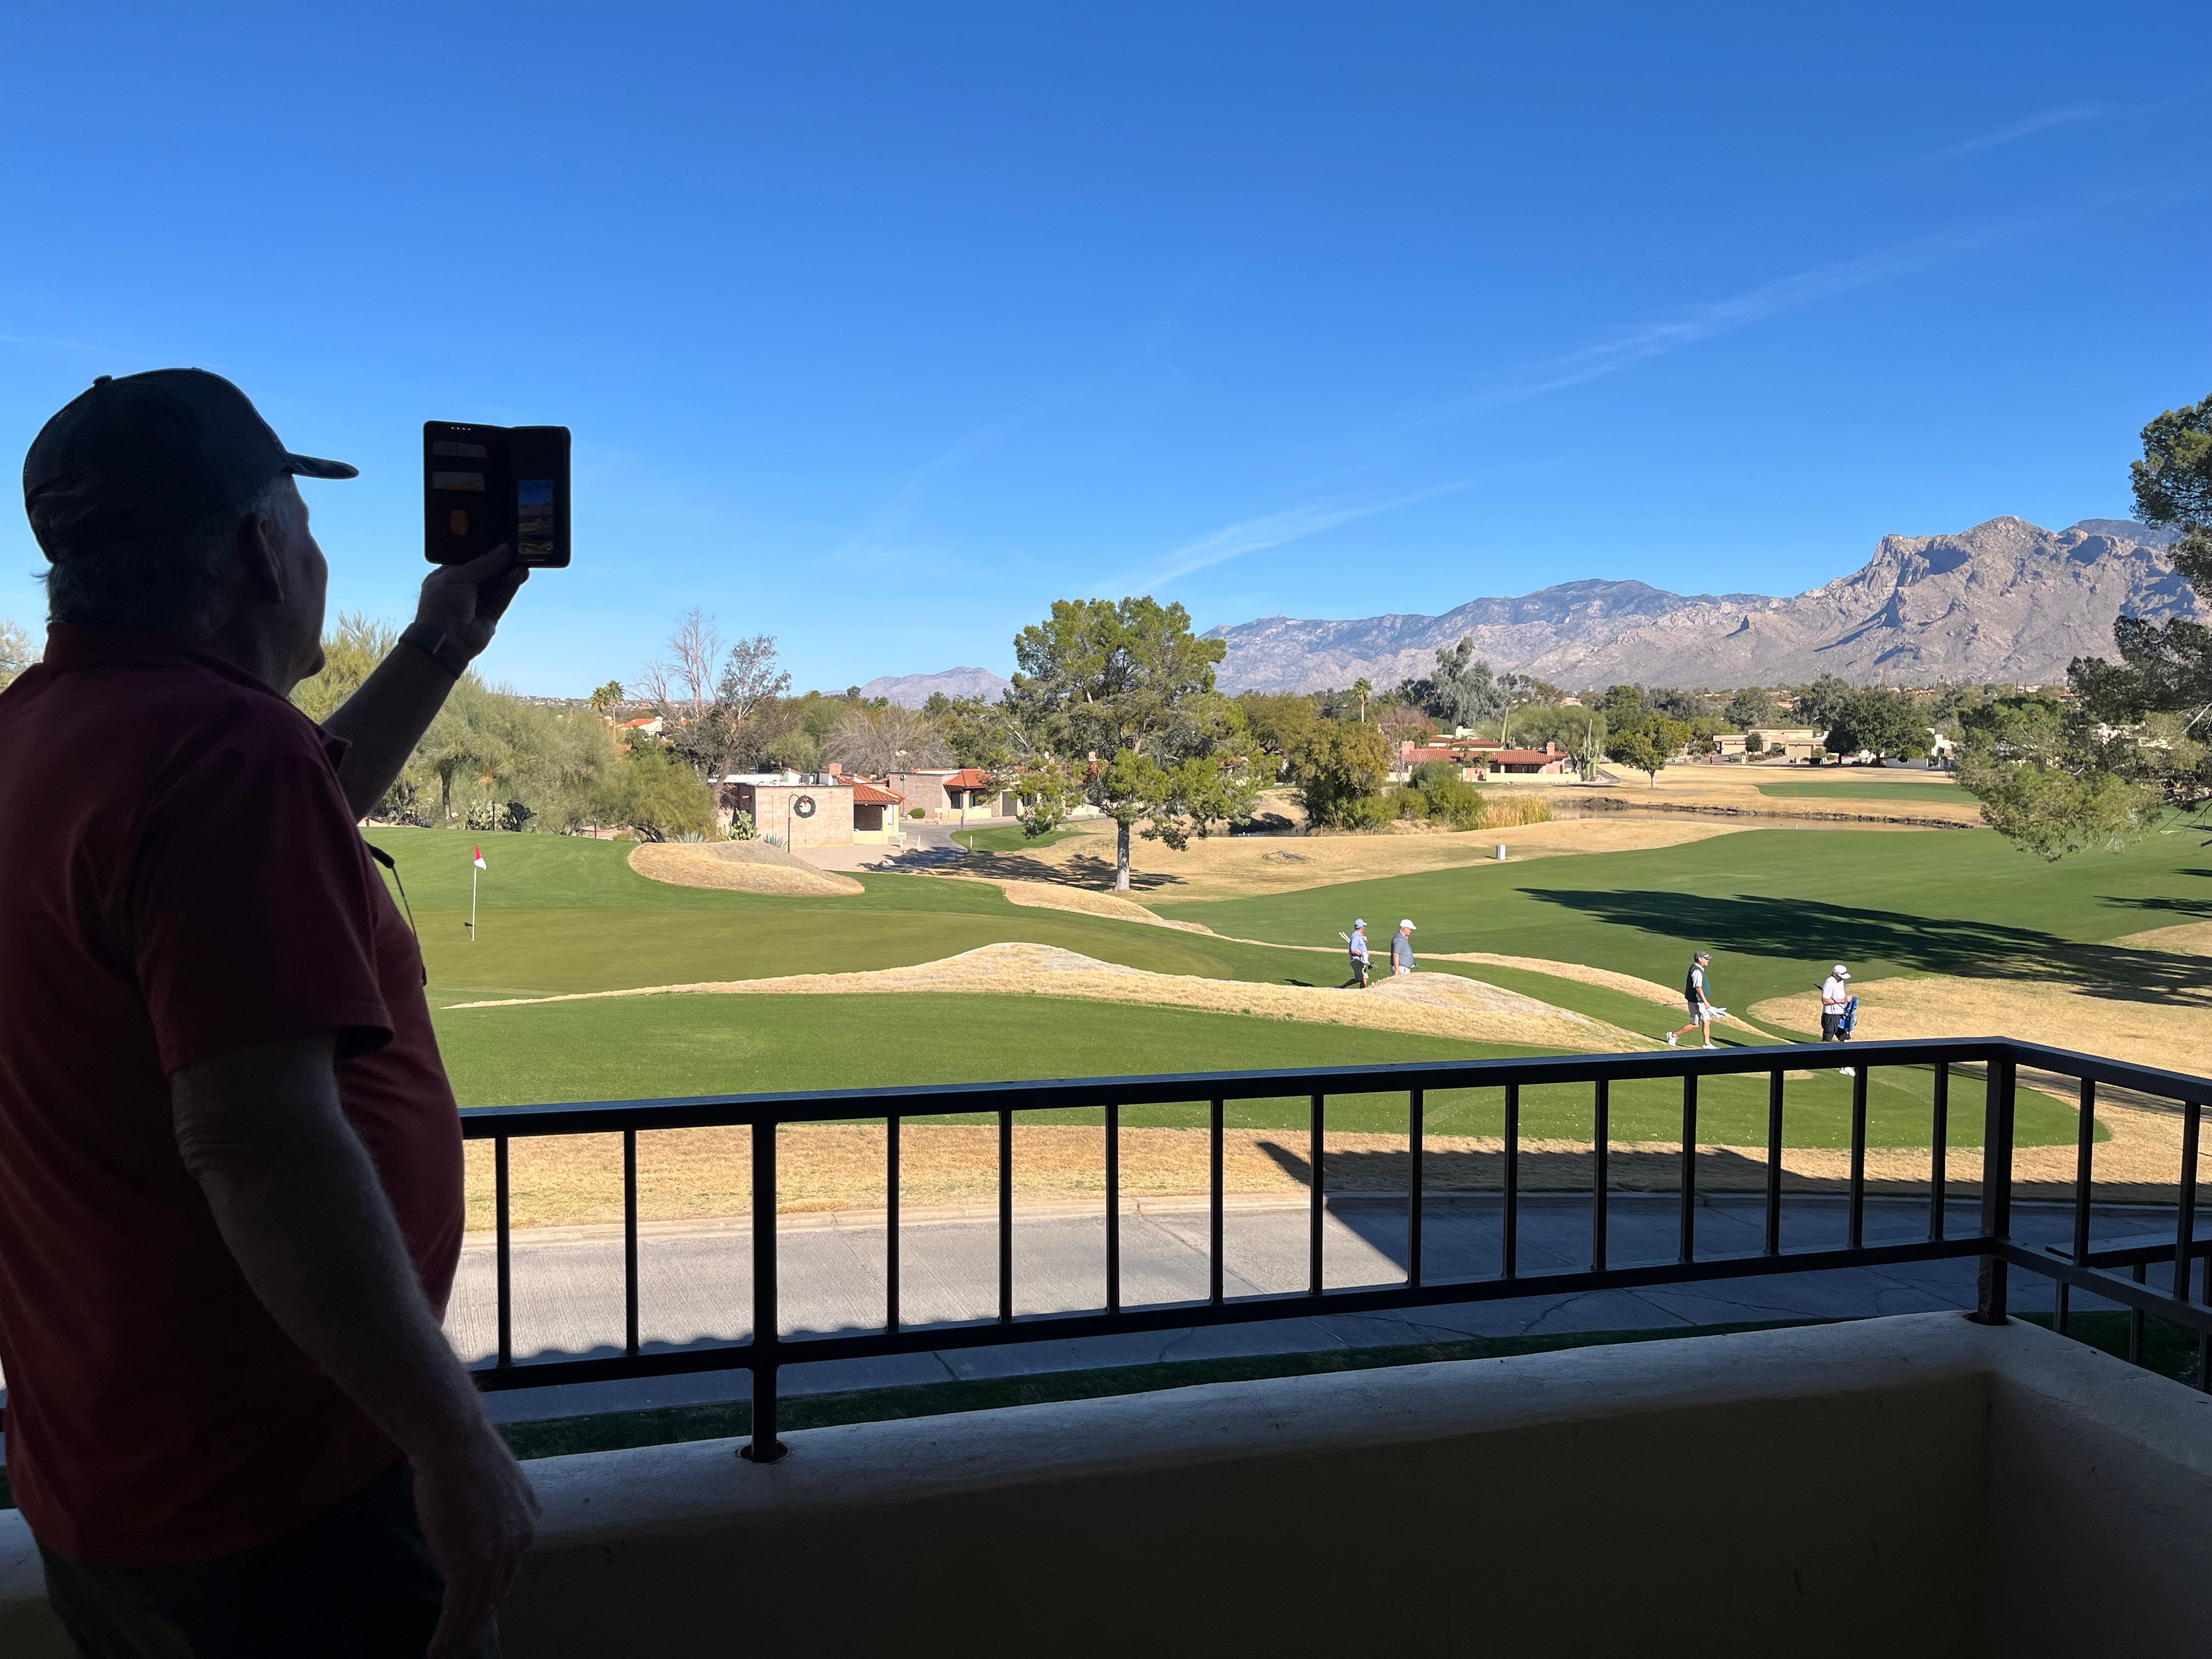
(533, 520)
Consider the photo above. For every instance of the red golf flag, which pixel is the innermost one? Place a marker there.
(480, 865)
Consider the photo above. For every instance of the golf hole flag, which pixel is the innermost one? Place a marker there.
(480, 865)
(478, 861)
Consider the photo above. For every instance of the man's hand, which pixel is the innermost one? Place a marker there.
(479, 1515)
(464, 602)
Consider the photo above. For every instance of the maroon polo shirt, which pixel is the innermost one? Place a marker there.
(180, 878)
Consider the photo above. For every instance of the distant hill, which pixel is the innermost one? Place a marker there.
(2004, 600)
(912, 690)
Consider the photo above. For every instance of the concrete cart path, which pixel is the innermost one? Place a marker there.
(696, 1283)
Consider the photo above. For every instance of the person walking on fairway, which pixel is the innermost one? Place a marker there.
(1701, 1003)
(1401, 950)
(1836, 1000)
(1362, 962)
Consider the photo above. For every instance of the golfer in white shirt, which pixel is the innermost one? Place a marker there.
(1700, 1001)
(1835, 1003)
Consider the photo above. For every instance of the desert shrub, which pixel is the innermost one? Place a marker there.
(1410, 802)
(1458, 803)
(1430, 773)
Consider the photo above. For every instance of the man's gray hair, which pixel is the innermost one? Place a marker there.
(170, 586)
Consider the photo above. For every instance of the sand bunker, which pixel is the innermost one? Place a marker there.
(1428, 1005)
(745, 866)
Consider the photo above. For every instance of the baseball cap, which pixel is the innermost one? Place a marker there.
(1842, 972)
(149, 455)
(1362, 922)
(1406, 923)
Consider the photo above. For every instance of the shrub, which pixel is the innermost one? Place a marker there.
(916, 812)
(1429, 774)
(1458, 803)
(1411, 802)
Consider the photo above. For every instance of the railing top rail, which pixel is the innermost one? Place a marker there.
(2122, 1074)
(1066, 1094)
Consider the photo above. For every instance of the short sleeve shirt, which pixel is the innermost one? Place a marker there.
(1834, 993)
(1401, 950)
(184, 879)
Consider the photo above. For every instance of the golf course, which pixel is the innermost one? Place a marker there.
(586, 980)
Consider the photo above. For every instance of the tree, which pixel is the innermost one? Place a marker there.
(351, 651)
(709, 696)
(1278, 724)
(2047, 781)
(15, 651)
(1365, 691)
(886, 739)
(1463, 689)
(1336, 768)
(1649, 745)
(1825, 702)
(1885, 723)
(2055, 782)
(1400, 722)
(1123, 695)
(1752, 706)
(606, 696)
(656, 794)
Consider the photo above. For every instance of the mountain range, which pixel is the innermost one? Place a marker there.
(2004, 601)
(912, 690)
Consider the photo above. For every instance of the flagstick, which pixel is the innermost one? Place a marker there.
(473, 873)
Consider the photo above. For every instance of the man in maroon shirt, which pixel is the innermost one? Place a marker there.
(230, 1165)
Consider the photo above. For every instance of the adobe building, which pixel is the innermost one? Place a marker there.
(820, 811)
(947, 795)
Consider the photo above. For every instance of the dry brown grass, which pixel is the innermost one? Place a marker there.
(1427, 1005)
(2175, 1035)
(703, 1175)
(1238, 866)
(2188, 938)
(1059, 896)
(744, 866)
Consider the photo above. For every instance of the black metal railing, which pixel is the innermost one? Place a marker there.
(2087, 1265)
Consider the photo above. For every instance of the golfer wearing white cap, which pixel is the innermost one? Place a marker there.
(1401, 949)
(1836, 1008)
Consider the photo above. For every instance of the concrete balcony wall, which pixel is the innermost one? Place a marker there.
(1912, 1486)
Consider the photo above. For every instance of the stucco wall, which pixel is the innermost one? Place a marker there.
(1901, 1486)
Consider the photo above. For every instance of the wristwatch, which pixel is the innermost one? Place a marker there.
(423, 637)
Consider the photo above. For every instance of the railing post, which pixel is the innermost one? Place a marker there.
(1989, 1307)
(764, 1447)
(502, 1191)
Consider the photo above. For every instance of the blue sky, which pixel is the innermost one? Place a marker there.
(882, 326)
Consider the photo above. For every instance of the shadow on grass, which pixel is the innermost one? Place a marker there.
(1815, 930)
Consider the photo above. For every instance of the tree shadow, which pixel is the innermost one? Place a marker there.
(1087, 869)
(1822, 933)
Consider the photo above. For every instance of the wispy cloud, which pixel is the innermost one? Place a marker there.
(2011, 135)
(1255, 535)
(1626, 347)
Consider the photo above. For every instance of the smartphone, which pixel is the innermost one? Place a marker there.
(482, 485)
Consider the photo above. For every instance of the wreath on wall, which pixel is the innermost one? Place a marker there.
(804, 806)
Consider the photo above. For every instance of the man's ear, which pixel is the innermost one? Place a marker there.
(261, 556)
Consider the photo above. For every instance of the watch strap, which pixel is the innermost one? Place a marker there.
(425, 638)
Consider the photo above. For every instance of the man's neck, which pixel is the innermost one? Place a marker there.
(249, 649)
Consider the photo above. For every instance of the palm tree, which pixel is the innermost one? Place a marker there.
(1363, 690)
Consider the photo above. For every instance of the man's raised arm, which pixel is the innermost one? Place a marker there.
(382, 722)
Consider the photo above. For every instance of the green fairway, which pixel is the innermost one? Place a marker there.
(635, 1048)
(1009, 838)
(1873, 787)
(1777, 907)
